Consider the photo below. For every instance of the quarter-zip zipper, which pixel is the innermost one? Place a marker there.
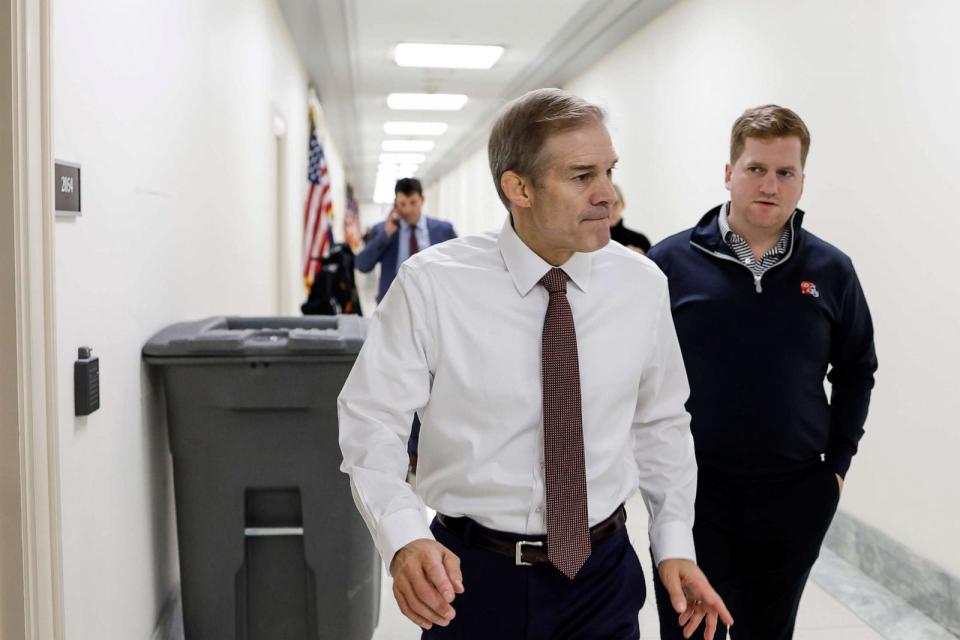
(756, 278)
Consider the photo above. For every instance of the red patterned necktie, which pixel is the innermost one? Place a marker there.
(414, 246)
(568, 532)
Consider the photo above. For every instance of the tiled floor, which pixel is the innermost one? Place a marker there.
(822, 616)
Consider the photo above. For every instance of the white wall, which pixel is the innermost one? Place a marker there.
(875, 82)
(169, 107)
(467, 197)
(371, 213)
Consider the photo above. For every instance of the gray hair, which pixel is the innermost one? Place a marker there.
(523, 127)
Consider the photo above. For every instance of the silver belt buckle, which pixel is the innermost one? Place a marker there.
(519, 556)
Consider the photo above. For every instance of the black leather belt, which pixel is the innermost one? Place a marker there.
(525, 550)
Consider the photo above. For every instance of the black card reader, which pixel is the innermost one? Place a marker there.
(86, 382)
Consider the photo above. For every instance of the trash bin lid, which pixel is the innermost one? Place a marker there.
(253, 336)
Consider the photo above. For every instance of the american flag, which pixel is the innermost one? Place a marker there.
(351, 221)
(318, 213)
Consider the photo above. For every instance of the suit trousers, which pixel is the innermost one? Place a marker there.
(504, 601)
(756, 541)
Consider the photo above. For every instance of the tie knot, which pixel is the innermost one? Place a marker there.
(555, 280)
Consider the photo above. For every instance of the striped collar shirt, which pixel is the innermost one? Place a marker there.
(741, 248)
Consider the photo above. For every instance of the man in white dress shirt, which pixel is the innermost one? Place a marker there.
(545, 369)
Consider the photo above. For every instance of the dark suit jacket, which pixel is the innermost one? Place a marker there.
(386, 250)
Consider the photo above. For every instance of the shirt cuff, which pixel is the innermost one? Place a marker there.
(672, 540)
(398, 530)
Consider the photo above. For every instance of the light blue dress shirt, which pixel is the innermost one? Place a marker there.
(423, 238)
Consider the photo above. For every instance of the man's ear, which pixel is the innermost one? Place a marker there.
(727, 175)
(517, 189)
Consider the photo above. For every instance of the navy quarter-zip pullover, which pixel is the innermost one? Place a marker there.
(756, 350)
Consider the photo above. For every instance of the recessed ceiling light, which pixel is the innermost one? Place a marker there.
(446, 56)
(427, 101)
(415, 128)
(407, 145)
(402, 158)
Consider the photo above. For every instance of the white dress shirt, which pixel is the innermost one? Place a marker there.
(457, 338)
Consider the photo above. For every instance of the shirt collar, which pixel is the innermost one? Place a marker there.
(725, 229)
(526, 267)
(421, 223)
(731, 237)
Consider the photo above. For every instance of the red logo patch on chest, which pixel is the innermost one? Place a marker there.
(808, 288)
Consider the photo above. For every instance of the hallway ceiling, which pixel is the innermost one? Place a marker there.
(347, 46)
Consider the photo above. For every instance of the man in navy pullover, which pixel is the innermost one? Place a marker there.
(763, 311)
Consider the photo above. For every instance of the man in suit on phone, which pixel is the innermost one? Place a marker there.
(416, 232)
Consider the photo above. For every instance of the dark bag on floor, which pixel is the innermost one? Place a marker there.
(334, 290)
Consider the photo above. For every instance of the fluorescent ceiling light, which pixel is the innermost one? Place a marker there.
(383, 197)
(415, 128)
(446, 56)
(427, 101)
(407, 145)
(402, 158)
(398, 170)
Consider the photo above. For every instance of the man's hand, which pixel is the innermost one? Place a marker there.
(692, 597)
(839, 481)
(426, 578)
(392, 223)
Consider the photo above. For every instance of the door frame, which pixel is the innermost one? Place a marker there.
(29, 312)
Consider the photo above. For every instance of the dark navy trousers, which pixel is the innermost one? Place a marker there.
(502, 601)
(756, 542)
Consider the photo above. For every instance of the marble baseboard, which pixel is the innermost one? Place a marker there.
(170, 626)
(886, 613)
(921, 583)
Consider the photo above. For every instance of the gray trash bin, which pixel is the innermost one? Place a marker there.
(271, 545)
